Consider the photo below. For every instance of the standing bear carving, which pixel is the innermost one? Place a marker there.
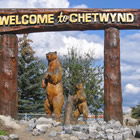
(80, 101)
(52, 80)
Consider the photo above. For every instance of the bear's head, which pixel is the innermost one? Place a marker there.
(79, 86)
(51, 56)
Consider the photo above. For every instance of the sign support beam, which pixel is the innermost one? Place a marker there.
(8, 75)
(112, 76)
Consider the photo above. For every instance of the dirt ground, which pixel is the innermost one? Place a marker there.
(26, 135)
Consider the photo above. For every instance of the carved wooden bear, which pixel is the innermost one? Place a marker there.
(52, 80)
(80, 101)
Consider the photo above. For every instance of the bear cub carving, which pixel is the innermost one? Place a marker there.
(80, 101)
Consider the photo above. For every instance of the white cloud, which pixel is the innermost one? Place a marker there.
(130, 88)
(138, 70)
(130, 50)
(34, 4)
(126, 109)
(83, 46)
(131, 77)
(80, 6)
(127, 68)
(55, 41)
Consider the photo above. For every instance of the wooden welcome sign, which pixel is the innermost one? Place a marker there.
(20, 21)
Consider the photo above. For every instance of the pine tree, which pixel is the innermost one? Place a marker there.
(30, 72)
(82, 69)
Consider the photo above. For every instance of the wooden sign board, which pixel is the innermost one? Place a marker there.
(21, 21)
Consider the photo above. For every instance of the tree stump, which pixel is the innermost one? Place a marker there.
(68, 110)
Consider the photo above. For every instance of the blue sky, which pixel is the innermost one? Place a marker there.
(107, 3)
(93, 40)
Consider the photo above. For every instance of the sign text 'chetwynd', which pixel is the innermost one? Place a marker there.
(61, 18)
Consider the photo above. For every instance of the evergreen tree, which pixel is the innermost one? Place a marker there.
(30, 72)
(82, 69)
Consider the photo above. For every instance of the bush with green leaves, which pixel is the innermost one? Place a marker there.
(83, 69)
(136, 112)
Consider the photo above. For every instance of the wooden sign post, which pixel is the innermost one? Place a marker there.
(112, 76)
(20, 21)
(8, 75)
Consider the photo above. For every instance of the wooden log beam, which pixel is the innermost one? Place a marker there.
(68, 26)
(112, 76)
(8, 75)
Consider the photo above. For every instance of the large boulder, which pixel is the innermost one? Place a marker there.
(9, 122)
(128, 120)
(137, 135)
(43, 120)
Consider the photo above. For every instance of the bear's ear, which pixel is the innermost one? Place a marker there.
(55, 52)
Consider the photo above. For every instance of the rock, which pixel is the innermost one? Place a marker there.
(103, 127)
(13, 137)
(108, 131)
(93, 134)
(126, 129)
(23, 122)
(52, 134)
(43, 126)
(64, 136)
(35, 132)
(81, 135)
(84, 128)
(137, 135)
(117, 125)
(118, 137)
(43, 120)
(33, 120)
(101, 135)
(76, 133)
(126, 135)
(56, 123)
(92, 128)
(31, 126)
(61, 133)
(73, 138)
(68, 129)
(110, 136)
(4, 138)
(42, 130)
(114, 124)
(76, 127)
(98, 128)
(128, 120)
(116, 131)
(133, 131)
(9, 122)
(91, 122)
(111, 121)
